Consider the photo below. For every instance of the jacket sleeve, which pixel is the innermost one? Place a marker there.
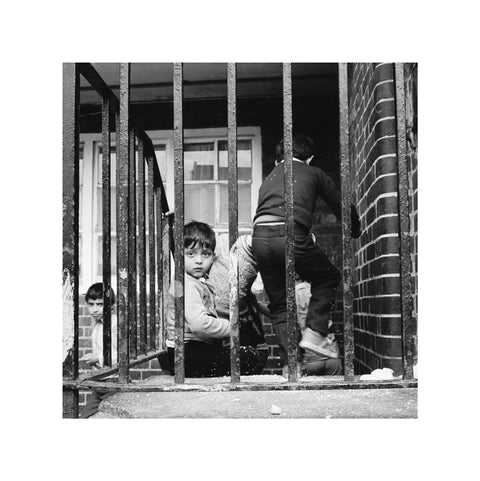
(331, 195)
(200, 322)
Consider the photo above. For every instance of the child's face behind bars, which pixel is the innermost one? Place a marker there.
(198, 261)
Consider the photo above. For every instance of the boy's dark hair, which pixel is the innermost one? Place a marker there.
(303, 147)
(198, 233)
(95, 291)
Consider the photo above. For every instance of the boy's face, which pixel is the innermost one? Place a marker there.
(95, 308)
(198, 261)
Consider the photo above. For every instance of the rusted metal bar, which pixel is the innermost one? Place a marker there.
(108, 371)
(117, 150)
(106, 233)
(157, 206)
(346, 224)
(404, 220)
(142, 249)
(71, 188)
(289, 223)
(179, 284)
(96, 81)
(159, 293)
(152, 246)
(233, 218)
(157, 178)
(132, 248)
(123, 130)
(166, 268)
(195, 385)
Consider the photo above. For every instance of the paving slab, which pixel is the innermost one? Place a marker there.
(289, 404)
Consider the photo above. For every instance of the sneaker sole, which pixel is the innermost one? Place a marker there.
(317, 350)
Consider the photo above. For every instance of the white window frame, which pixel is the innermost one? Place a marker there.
(88, 220)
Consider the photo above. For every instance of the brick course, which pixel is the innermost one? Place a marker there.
(377, 321)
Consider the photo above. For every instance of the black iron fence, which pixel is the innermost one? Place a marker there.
(165, 236)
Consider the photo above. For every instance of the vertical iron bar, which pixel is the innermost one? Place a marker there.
(179, 220)
(142, 259)
(106, 233)
(132, 249)
(71, 186)
(151, 248)
(117, 153)
(166, 268)
(346, 224)
(404, 220)
(233, 218)
(123, 149)
(289, 222)
(159, 296)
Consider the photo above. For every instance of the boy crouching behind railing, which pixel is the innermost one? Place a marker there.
(205, 352)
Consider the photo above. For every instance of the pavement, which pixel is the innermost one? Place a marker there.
(398, 402)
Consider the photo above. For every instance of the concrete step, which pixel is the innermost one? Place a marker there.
(322, 403)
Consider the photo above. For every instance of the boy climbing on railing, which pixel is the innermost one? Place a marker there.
(311, 263)
(251, 330)
(205, 353)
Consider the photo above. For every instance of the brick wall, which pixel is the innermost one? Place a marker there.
(137, 373)
(377, 314)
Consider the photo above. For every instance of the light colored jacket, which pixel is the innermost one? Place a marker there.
(201, 321)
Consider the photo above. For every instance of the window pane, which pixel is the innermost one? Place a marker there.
(244, 159)
(113, 252)
(199, 161)
(113, 209)
(244, 204)
(161, 155)
(200, 203)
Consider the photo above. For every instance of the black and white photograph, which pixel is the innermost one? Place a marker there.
(218, 258)
(251, 251)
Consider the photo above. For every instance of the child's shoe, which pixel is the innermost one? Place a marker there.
(314, 342)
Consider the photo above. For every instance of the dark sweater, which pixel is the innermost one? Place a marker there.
(309, 183)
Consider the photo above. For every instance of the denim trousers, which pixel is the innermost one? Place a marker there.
(311, 264)
(213, 360)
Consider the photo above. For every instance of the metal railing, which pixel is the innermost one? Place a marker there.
(161, 241)
(128, 140)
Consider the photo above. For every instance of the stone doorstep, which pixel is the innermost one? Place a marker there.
(251, 404)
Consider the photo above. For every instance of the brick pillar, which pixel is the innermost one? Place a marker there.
(377, 314)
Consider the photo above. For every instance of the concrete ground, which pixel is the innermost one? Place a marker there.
(400, 402)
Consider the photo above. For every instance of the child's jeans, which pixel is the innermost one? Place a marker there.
(311, 263)
(213, 360)
(322, 367)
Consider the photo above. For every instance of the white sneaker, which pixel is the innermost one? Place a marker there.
(314, 342)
